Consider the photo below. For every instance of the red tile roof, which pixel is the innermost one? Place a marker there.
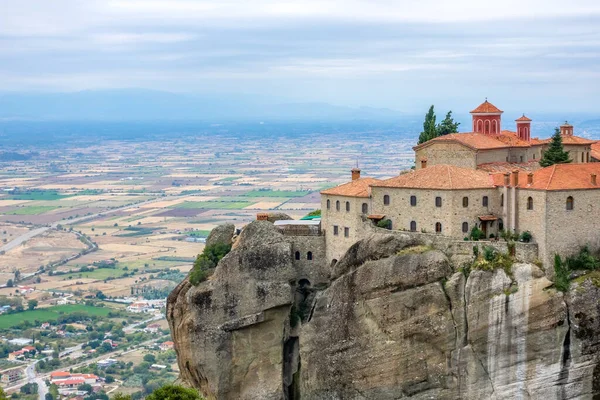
(440, 177)
(523, 118)
(568, 139)
(559, 177)
(480, 141)
(356, 188)
(502, 167)
(596, 150)
(487, 107)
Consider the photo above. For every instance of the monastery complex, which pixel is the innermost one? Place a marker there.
(489, 178)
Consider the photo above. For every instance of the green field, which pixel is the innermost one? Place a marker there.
(31, 210)
(39, 195)
(215, 205)
(198, 233)
(50, 314)
(276, 193)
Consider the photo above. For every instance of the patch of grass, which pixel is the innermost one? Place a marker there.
(276, 193)
(98, 273)
(31, 210)
(215, 205)
(198, 233)
(173, 258)
(39, 195)
(8, 321)
(414, 250)
(594, 277)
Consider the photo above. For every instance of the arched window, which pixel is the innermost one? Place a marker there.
(502, 200)
(438, 227)
(485, 201)
(465, 227)
(582, 157)
(413, 200)
(328, 204)
(386, 200)
(438, 201)
(530, 203)
(413, 226)
(337, 205)
(297, 256)
(365, 208)
(309, 256)
(465, 201)
(347, 206)
(570, 203)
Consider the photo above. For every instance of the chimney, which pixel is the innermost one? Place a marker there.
(262, 217)
(355, 174)
(424, 162)
(566, 129)
(507, 179)
(594, 179)
(515, 176)
(530, 178)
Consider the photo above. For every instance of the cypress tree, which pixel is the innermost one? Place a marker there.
(447, 125)
(429, 127)
(556, 153)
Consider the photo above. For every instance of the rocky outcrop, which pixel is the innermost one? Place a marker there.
(222, 234)
(397, 320)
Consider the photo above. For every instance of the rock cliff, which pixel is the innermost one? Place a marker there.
(396, 320)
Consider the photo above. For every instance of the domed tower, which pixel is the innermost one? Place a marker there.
(487, 118)
(566, 129)
(524, 128)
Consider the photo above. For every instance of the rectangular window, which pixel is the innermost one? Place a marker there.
(438, 201)
(346, 232)
(335, 230)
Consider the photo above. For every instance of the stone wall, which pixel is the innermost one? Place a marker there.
(568, 230)
(460, 251)
(337, 244)
(426, 214)
(446, 153)
(315, 270)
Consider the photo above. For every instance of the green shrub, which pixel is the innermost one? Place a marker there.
(476, 251)
(525, 237)
(315, 213)
(489, 253)
(583, 260)
(476, 234)
(174, 392)
(206, 261)
(561, 275)
(384, 223)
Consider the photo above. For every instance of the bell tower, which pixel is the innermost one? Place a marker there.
(487, 119)
(524, 128)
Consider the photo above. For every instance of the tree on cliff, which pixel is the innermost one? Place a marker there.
(173, 392)
(556, 153)
(431, 130)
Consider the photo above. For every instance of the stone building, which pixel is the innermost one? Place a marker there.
(489, 178)
(489, 143)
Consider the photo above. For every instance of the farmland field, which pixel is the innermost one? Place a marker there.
(215, 205)
(275, 193)
(31, 210)
(50, 314)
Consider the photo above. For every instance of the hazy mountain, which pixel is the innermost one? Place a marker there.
(139, 104)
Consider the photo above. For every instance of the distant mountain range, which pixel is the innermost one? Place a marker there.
(147, 105)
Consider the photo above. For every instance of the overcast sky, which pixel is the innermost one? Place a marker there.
(529, 55)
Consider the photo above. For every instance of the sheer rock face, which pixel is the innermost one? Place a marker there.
(393, 323)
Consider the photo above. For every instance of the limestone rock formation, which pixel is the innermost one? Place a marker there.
(397, 320)
(222, 234)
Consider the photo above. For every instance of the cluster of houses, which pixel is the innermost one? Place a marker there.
(147, 306)
(25, 352)
(68, 382)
